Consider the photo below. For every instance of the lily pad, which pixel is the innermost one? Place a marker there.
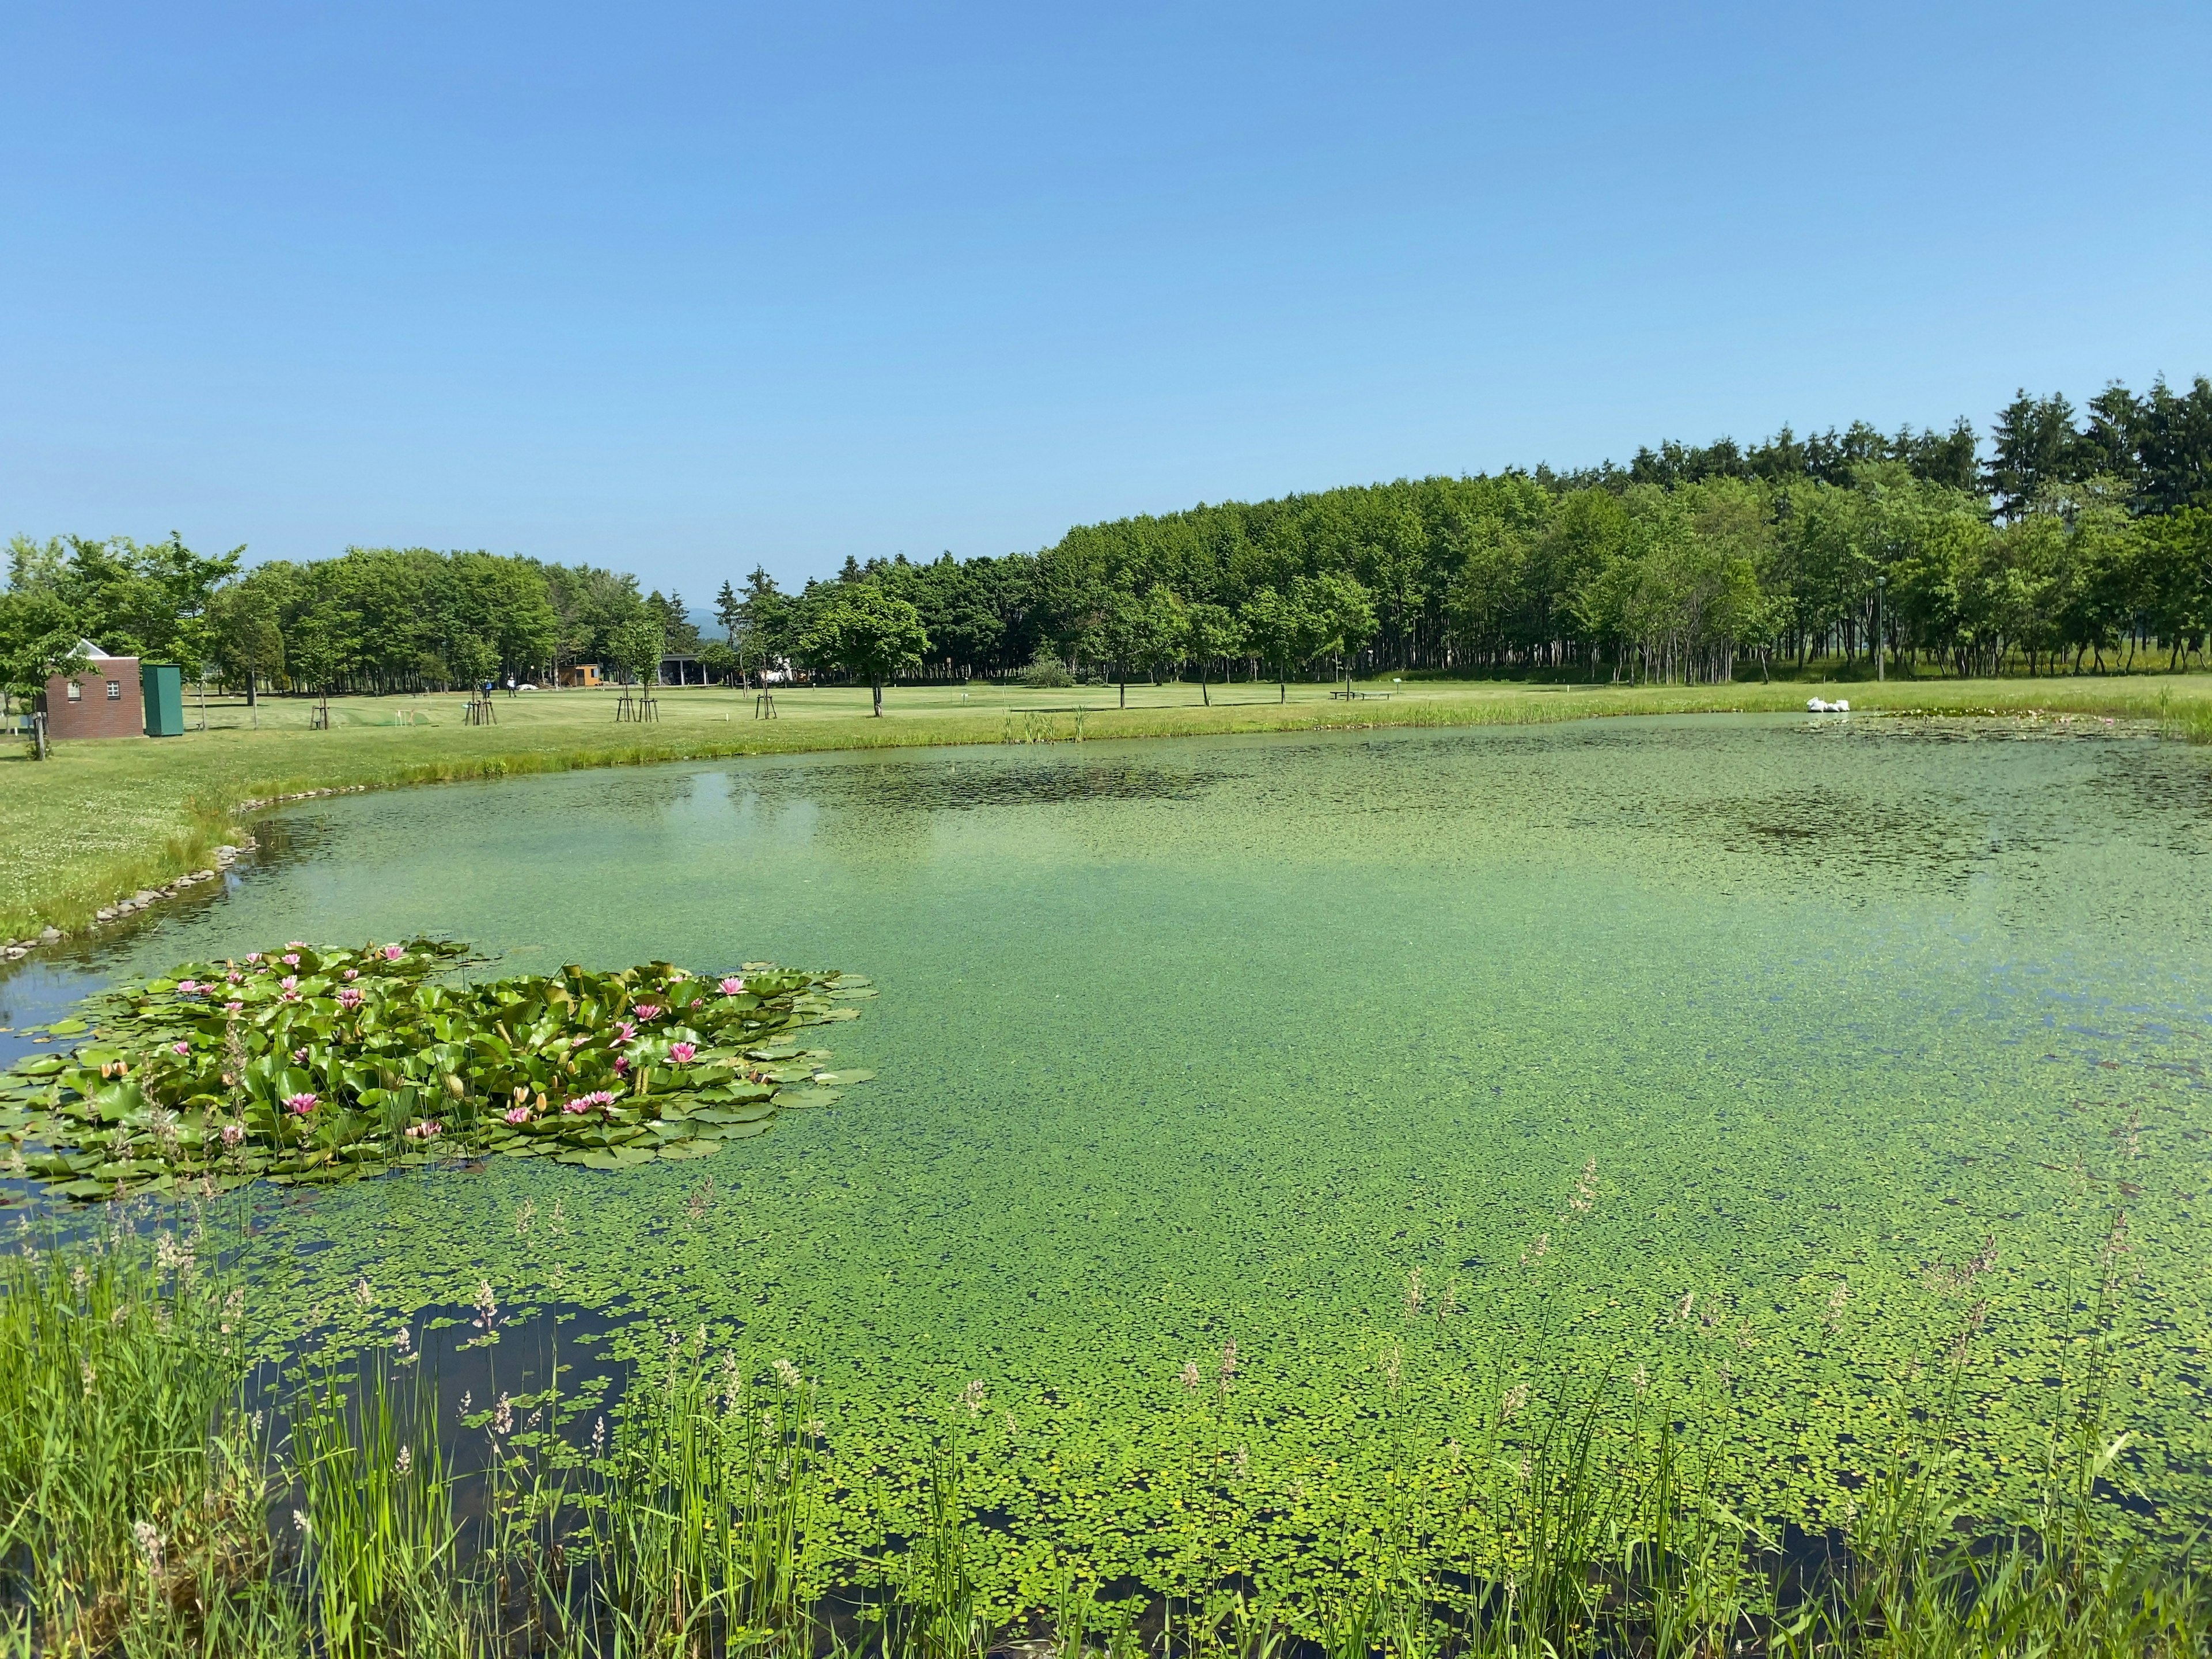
(592, 1158)
(323, 1064)
(752, 1114)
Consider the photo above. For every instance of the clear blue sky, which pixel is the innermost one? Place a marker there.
(681, 288)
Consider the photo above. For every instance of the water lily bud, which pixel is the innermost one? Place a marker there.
(454, 1086)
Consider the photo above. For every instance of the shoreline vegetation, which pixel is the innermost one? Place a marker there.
(161, 1497)
(101, 820)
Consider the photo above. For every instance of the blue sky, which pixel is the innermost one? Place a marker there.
(681, 289)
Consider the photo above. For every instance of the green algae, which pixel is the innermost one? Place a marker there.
(322, 1064)
(1226, 1043)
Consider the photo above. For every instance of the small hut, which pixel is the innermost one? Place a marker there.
(105, 701)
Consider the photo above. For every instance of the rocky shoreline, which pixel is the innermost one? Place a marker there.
(225, 856)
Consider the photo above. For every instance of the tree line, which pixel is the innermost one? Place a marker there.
(370, 620)
(2062, 539)
(2079, 541)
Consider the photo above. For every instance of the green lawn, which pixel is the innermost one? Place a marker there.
(102, 819)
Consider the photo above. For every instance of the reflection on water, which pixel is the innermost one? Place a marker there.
(970, 783)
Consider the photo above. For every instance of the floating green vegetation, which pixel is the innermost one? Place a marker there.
(156, 1508)
(313, 1063)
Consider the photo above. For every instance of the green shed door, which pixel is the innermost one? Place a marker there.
(162, 684)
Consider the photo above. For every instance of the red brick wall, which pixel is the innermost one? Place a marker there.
(94, 713)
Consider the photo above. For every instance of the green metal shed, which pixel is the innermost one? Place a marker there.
(162, 684)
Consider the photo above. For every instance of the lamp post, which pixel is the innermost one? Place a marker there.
(1881, 655)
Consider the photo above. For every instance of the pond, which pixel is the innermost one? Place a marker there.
(1741, 1066)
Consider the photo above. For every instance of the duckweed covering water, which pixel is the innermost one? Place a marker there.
(1872, 1029)
(314, 1063)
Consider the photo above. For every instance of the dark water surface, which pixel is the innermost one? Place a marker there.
(1226, 1040)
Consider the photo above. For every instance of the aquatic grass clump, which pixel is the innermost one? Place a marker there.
(315, 1063)
(131, 1481)
(160, 1518)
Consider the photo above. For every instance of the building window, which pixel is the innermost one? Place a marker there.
(76, 692)
(115, 690)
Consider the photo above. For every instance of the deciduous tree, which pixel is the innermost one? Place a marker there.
(869, 634)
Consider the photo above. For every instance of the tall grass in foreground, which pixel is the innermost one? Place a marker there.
(2189, 719)
(148, 1512)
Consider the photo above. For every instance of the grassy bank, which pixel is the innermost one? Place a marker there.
(103, 819)
(146, 1509)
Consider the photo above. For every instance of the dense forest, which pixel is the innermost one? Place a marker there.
(2062, 542)
(2065, 539)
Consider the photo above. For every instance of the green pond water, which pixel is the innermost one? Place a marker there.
(1225, 1040)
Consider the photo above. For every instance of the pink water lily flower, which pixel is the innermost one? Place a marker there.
(425, 1131)
(290, 981)
(233, 1133)
(353, 973)
(292, 962)
(234, 1007)
(516, 1115)
(233, 978)
(648, 1011)
(393, 952)
(253, 955)
(299, 1105)
(299, 1057)
(682, 1052)
(732, 987)
(625, 1031)
(296, 945)
(348, 998)
(180, 1048)
(188, 988)
(598, 1097)
(622, 1062)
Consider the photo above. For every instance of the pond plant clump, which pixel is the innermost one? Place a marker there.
(155, 1505)
(313, 1063)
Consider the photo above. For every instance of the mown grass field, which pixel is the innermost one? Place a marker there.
(100, 819)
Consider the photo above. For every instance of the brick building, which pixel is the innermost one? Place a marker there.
(103, 701)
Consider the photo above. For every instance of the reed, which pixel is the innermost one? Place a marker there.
(377, 1525)
(130, 1486)
(147, 1511)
